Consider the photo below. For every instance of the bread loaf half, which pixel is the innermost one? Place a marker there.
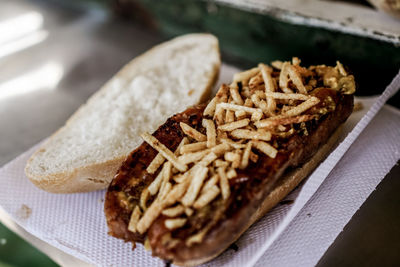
(86, 152)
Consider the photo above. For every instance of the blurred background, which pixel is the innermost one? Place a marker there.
(54, 54)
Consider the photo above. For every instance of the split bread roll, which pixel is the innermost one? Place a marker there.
(228, 162)
(86, 152)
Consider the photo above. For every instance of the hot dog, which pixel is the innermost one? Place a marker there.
(198, 182)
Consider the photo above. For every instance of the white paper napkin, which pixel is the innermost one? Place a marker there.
(75, 223)
(356, 176)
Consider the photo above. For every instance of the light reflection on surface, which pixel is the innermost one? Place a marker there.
(45, 77)
(20, 26)
(17, 34)
(23, 43)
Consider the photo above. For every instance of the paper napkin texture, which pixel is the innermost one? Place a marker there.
(355, 177)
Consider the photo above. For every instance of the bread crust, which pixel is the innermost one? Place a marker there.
(97, 176)
(86, 178)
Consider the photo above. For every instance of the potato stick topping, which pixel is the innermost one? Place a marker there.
(272, 122)
(241, 127)
(297, 110)
(164, 191)
(155, 185)
(211, 182)
(166, 175)
(236, 145)
(296, 79)
(358, 106)
(256, 116)
(147, 245)
(296, 61)
(281, 128)
(175, 170)
(189, 131)
(184, 141)
(245, 75)
(219, 115)
(255, 81)
(229, 116)
(265, 148)
(231, 173)
(192, 157)
(341, 68)
(234, 158)
(175, 223)
(144, 196)
(269, 87)
(287, 96)
(277, 64)
(161, 148)
(197, 181)
(206, 197)
(261, 104)
(235, 95)
(223, 183)
(235, 107)
(284, 79)
(246, 155)
(155, 163)
(222, 94)
(211, 133)
(167, 172)
(248, 134)
(210, 109)
(189, 211)
(222, 97)
(134, 219)
(247, 103)
(176, 193)
(253, 157)
(210, 157)
(221, 163)
(234, 125)
(149, 216)
(173, 212)
(220, 149)
(245, 92)
(194, 147)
